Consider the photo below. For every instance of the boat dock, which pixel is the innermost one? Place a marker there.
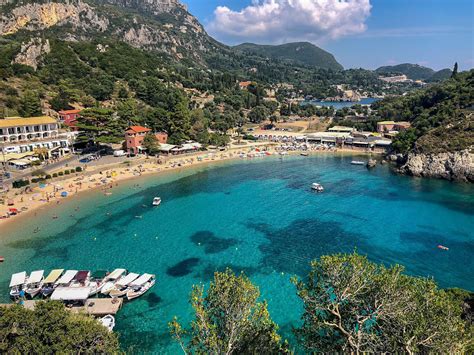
(97, 307)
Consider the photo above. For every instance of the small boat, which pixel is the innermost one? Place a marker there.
(156, 201)
(82, 279)
(357, 162)
(442, 247)
(121, 286)
(97, 281)
(317, 187)
(17, 283)
(108, 321)
(2, 259)
(111, 279)
(35, 283)
(66, 279)
(304, 154)
(49, 283)
(140, 286)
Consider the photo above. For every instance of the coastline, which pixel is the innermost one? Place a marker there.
(106, 178)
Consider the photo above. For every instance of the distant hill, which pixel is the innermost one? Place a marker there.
(440, 75)
(412, 71)
(300, 53)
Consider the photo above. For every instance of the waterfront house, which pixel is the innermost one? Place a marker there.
(135, 135)
(69, 118)
(392, 127)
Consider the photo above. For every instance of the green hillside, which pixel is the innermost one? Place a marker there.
(412, 71)
(302, 53)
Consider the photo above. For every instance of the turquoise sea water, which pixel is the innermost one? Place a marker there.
(254, 216)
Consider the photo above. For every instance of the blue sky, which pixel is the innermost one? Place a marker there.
(360, 33)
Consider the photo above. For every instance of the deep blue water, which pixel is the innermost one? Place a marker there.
(339, 105)
(259, 217)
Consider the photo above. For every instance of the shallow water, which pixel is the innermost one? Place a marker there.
(254, 216)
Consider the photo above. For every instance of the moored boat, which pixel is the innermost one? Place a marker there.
(82, 279)
(121, 286)
(111, 279)
(108, 321)
(157, 201)
(97, 281)
(358, 162)
(317, 187)
(66, 279)
(140, 286)
(17, 284)
(35, 283)
(49, 283)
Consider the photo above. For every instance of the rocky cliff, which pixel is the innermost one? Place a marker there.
(162, 25)
(458, 166)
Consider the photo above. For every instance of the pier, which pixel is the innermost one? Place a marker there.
(97, 307)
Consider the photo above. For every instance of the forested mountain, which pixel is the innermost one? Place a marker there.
(302, 53)
(412, 71)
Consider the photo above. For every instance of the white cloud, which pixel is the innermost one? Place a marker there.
(279, 21)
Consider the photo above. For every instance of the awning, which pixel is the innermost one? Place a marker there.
(67, 277)
(71, 294)
(142, 280)
(82, 276)
(36, 276)
(18, 279)
(114, 275)
(53, 276)
(127, 279)
(99, 274)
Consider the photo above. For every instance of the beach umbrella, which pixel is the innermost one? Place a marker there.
(64, 194)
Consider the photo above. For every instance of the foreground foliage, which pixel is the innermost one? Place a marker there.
(50, 328)
(353, 305)
(229, 320)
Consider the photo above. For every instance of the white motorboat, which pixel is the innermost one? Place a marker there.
(140, 286)
(97, 281)
(17, 284)
(157, 201)
(49, 283)
(35, 283)
(121, 286)
(108, 321)
(111, 279)
(82, 279)
(357, 162)
(317, 187)
(66, 279)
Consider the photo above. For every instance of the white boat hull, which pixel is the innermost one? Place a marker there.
(131, 294)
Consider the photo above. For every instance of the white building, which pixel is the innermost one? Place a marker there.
(23, 135)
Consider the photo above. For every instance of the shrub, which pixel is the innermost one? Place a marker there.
(20, 183)
(60, 173)
(48, 177)
(66, 172)
(55, 175)
(78, 169)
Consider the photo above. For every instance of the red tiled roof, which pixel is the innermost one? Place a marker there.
(138, 129)
(68, 112)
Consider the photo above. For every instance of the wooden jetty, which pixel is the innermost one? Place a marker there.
(97, 307)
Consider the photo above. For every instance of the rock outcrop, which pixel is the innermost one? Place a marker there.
(458, 166)
(32, 52)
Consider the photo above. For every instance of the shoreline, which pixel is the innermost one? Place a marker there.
(105, 178)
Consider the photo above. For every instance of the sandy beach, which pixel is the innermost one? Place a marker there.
(106, 177)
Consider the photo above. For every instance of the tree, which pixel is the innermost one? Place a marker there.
(151, 144)
(61, 100)
(455, 70)
(229, 320)
(30, 104)
(353, 305)
(258, 114)
(50, 328)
